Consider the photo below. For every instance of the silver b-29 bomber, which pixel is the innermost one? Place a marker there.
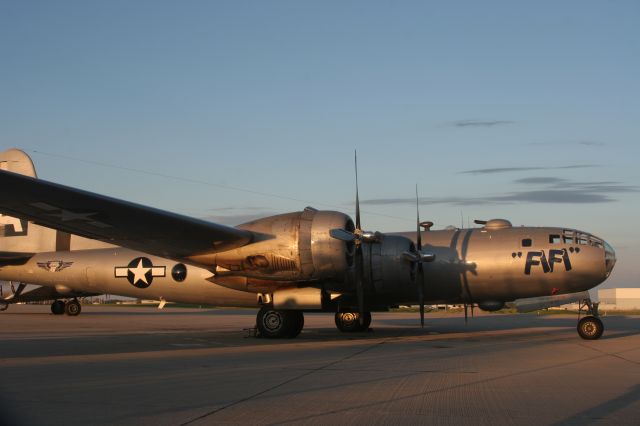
(75, 243)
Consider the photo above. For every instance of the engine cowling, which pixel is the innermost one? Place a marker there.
(292, 247)
(390, 273)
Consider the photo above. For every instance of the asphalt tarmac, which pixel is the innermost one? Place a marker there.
(141, 366)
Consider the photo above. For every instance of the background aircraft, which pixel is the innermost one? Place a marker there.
(83, 243)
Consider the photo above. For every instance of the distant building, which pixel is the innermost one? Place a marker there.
(619, 298)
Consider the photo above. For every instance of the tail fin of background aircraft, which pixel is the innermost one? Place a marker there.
(17, 161)
(19, 238)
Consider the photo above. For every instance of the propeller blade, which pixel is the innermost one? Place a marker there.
(420, 272)
(421, 293)
(419, 234)
(359, 282)
(359, 257)
(342, 235)
(411, 257)
(358, 227)
(427, 257)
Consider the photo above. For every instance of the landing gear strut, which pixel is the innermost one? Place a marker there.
(276, 323)
(589, 327)
(350, 321)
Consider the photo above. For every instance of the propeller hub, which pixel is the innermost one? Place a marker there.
(370, 237)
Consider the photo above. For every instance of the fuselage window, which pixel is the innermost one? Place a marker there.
(526, 242)
(179, 272)
(554, 239)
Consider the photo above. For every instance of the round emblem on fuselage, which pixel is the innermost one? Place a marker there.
(140, 272)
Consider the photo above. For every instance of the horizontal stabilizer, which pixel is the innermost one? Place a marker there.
(41, 294)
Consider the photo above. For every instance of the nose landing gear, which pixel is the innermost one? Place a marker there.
(589, 327)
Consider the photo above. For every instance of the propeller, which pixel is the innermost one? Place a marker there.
(358, 237)
(420, 272)
(419, 258)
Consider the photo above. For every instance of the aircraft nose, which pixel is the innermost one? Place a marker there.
(609, 258)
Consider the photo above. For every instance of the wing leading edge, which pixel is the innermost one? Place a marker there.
(114, 221)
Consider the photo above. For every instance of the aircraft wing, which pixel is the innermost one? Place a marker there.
(114, 221)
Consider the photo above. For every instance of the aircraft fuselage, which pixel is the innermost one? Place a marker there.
(472, 265)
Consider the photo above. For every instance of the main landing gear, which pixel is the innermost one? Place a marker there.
(71, 307)
(589, 327)
(350, 321)
(280, 323)
(276, 323)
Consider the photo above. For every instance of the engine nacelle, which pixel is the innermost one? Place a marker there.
(391, 274)
(292, 247)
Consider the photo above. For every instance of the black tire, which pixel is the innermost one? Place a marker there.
(4, 305)
(57, 307)
(72, 308)
(298, 319)
(590, 328)
(275, 323)
(367, 321)
(349, 322)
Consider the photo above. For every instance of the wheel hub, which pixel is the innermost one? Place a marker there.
(272, 321)
(349, 318)
(588, 328)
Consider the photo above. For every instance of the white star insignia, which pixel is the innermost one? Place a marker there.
(136, 272)
(140, 273)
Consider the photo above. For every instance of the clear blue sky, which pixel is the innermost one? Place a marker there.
(272, 97)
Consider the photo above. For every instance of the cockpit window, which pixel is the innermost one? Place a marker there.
(583, 239)
(596, 242)
(526, 242)
(554, 239)
(567, 236)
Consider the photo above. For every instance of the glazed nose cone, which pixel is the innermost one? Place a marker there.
(609, 258)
